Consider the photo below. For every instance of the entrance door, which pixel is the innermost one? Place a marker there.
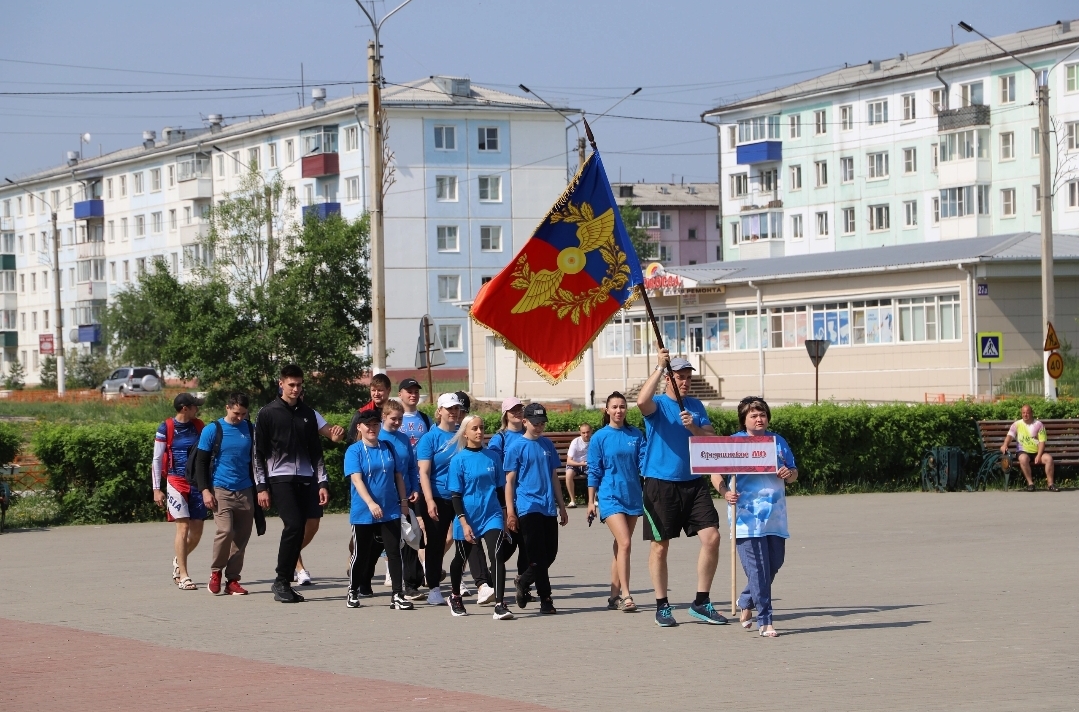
(501, 379)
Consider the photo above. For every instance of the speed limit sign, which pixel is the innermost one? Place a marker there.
(1055, 365)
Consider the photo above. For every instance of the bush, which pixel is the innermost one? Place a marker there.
(16, 376)
(9, 443)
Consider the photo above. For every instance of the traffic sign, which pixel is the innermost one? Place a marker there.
(45, 344)
(429, 343)
(1052, 343)
(990, 347)
(816, 349)
(1055, 365)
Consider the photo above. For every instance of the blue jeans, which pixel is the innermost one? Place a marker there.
(761, 559)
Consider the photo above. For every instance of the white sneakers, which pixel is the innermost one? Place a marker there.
(435, 598)
(388, 581)
(302, 577)
(485, 596)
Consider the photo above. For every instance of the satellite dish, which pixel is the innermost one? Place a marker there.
(86, 138)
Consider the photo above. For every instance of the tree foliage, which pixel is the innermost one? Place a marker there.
(16, 376)
(643, 245)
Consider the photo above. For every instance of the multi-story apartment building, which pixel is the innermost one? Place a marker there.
(930, 146)
(474, 170)
(680, 219)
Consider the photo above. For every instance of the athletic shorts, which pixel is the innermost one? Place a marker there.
(673, 507)
(182, 500)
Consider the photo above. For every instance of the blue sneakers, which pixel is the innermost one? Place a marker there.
(665, 617)
(706, 613)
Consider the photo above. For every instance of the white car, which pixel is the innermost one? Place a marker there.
(132, 381)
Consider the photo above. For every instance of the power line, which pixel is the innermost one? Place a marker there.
(166, 91)
(143, 71)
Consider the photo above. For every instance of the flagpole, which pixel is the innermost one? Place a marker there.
(644, 296)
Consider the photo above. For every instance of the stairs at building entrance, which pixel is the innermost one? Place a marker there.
(699, 388)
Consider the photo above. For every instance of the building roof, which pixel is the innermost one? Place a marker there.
(908, 65)
(1016, 247)
(430, 93)
(669, 195)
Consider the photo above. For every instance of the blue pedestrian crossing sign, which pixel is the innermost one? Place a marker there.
(990, 347)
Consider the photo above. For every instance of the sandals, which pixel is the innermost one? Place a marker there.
(1031, 488)
(186, 584)
(768, 633)
(626, 605)
(614, 603)
(747, 623)
(1053, 488)
(175, 570)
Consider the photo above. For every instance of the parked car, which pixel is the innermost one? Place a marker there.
(132, 381)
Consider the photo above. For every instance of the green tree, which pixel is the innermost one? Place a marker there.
(16, 376)
(48, 373)
(644, 246)
(141, 319)
(87, 370)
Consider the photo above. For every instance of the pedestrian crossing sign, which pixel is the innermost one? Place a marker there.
(990, 347)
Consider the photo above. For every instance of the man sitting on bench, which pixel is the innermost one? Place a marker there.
(1029, 436)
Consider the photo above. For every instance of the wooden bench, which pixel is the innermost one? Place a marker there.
(1062, 442)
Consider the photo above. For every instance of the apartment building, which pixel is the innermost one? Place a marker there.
(474, 170)
(680, 218)
(936, 145)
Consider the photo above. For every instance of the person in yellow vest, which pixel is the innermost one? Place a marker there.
(1029, 437)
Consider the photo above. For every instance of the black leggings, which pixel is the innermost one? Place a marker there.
(436, 539)
(540, 534)
(465, 551)
(363, 536)
(509, 543)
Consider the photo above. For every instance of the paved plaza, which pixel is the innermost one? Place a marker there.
(886, 602)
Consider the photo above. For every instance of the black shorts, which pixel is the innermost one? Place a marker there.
(673, 507)
(311, 507)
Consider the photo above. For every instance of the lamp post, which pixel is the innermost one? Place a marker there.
(374, 130)
(1041, 81)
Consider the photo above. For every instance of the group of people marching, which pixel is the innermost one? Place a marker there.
(487, 499)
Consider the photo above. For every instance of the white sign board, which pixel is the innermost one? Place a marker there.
(719, 455)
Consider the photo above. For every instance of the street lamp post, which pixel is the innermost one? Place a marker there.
(376, 134)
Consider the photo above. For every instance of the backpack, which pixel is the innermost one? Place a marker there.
(189, 468)
(215, 455)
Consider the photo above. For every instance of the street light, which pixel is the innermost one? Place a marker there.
(374, 129)
(1041, 81)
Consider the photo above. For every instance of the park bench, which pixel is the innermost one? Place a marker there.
(1062, 442)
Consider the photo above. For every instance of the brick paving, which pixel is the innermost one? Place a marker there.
(887, 602)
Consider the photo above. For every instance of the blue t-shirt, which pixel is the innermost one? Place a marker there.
(533, 461)
(377, 466)
(476, 476)
(184, 435)
(666, 453)
(762, 499)
(614, 469)
(435, 447)
(501, 441)
(232, 471)
(406, 457)
(413, 426)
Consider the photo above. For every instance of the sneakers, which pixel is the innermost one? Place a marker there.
(413, 594)
(528, 590)
(365, 593)
(485, 596)
(435, 598)
(547, 607)
(457, 606)
(571, 505)
(665, 617)
(352, 600)
(400, 603)
(464, 591)
(214, 587)
(502, 613)
(522, 594)
(302, 577)
(706, 613)
(388, 581)
(233, 588)
(283, 593)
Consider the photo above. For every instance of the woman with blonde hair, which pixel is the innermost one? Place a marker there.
(433, 455)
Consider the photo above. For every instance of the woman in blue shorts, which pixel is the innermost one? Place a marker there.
(614, 487)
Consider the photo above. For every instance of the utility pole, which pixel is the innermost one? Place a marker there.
(270, 256)
(58, 347)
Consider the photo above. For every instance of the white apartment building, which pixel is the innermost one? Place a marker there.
(936, 145)
(474, 169)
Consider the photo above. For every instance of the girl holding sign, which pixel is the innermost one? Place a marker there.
(761, 518)
(614, 487)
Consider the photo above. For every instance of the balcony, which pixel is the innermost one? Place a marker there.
(91, 291)
(196, 189)
(89, 209)
(760, 152)
(89, 334)
(88, 250)
(9, 339)
(7, 262)
(7, 223)
(321, 164)
(194, 233)
(321, 211)
(967, 116)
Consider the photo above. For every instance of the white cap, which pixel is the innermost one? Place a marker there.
(448, 400)
(510, 403)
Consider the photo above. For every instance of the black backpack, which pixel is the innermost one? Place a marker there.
(215, 454)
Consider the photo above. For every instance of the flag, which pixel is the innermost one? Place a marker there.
(575, 272)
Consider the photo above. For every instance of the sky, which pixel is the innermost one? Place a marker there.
(687, 55)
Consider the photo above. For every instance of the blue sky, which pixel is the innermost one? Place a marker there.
(688, 56)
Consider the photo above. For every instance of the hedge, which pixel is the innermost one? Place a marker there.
(9, 443)
(100, 473)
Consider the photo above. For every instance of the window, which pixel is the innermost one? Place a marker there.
(664, 221)
(172, 175)
(127, 272)
(909, 112)
(871, 322)
(1073, 194)
(56, 199)
(691, 234)
(957, 202)
(796, 227)
(1007, 146)
(271, 154)
(879, 218)
(769, 180)
(939, 100)
(352, 188)
(309, 194)
(1037, 200)
(220, 166)
(936, 210)
(795, 125)
(739, 185)
(446, 138)
(849, 225)
(7, 208)
(649, 219)
(187, 215)
(137, 182)
(732, 136)
(820, 122)
(878, 165)
(155, 180)
(488, 138)
(759, 128)
(450, 336)
(156, 223)
(33, 281)
(253, 155)
(140, 226)
(846, 169)
(761, 226)
(822, 173)
(491, 238)
(290, 153)
(822, 224)
(918, 319)
(112, 272)
(235, 155)
(123, 228)
(123, 187)
(910, 213)
(1073, 77)
(1035, 142)
(957, 146)
(19, 203)
(446, 188)
(172, 219)
(449, 287)
(796, 178)
(447, 238)
(983, 199)
(1007, 202)
(736, 231)
(935, 149)
(140, 266)
(352, 138)
(910, 160)
(877, 112)
(1007, 89)
(971, 94)
(491, 189)
(1073, 139)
